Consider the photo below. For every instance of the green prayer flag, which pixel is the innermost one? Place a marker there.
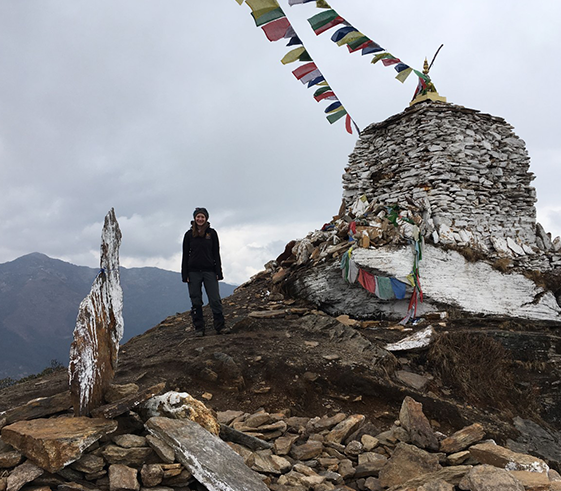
(319, 20)
(321, 90)
(426, 78)
(264, 16)
(336, 116)
(305, 56)
(357, 42)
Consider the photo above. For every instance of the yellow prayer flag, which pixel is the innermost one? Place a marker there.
(381, 56)
(239, 1)
(402, 76)
(262, 4)
(322, 4)
(350, 37)
(293, 55)
(323, 83)
(336, 110)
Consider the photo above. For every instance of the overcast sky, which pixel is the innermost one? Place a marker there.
(157, 107)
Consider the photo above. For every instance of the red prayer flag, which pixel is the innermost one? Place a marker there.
(326, 95)
(390, 61)
(348, 126)
(362, 46)
(304, 70)
(277, 29)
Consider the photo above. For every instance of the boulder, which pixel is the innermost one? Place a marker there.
(490, 478)
(462, 439)
(414, 421)
(407, 462)
(492, 454)
(54, 443)
(211, 461)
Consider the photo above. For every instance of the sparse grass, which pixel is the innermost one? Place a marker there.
(479, 369)
(470, 254)
(502, 265)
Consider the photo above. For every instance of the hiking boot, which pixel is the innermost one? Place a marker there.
(199, 333)
(218, 322)
(198, 319)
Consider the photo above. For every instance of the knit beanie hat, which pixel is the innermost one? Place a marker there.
(200, 210)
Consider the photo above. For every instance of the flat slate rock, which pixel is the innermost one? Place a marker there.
(54, 443)
(211, 461)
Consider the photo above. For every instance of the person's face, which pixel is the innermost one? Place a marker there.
(200, 219)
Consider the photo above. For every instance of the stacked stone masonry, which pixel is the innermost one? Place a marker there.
(467, 170)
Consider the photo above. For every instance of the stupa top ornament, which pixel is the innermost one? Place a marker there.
(428, 91)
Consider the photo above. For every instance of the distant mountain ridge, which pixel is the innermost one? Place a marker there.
(39, 299)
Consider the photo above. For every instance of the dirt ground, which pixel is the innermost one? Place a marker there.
(293, 359)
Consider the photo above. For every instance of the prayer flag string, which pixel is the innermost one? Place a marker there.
(349, 36)
(388, 288)
(269, 15)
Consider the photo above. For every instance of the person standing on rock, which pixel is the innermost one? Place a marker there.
(200, 265)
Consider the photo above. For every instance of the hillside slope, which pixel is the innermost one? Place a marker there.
(39, 299)
(283, 354)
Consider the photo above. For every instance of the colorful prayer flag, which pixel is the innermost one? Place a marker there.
(239, 1)
(304, 70)
(321, 90)
(336, 116)
(390, 61)
(262, 4)
(322, 4)
(421, 75)
(267, 15)
(402, 76)
(325, 20)
(351, 36)
(372, 48)
(277, 29)
(382, 56)
(316, 81)
(333, 107)
(403, 73)
(293, 55)
(328, 95)
(341, 33)
(308, 77)
(298, 2)
(294, 41)
(348, 126)
(358, 44)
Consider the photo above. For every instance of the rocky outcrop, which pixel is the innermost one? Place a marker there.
(449, 281)
(259, 451)
(99, 327)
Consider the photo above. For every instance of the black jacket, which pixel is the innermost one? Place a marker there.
(201, 253)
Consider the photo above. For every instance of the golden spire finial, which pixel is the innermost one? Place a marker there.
(426, 67)
(426, 89)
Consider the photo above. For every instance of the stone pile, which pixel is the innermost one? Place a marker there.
(384, 242)
(467, 170)
(441, 188)
(169, 443)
